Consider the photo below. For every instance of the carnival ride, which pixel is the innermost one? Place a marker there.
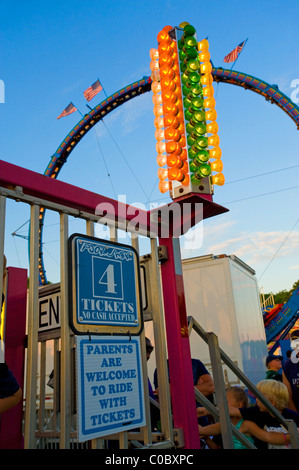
(280, 318)
(59, 158)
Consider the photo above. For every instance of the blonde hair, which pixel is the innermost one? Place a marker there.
(275, 390)
(239, 395)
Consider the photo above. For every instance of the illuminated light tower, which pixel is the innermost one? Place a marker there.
(185, 115)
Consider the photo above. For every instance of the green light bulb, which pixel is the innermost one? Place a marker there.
(200, 143)
(192, 65)
(204, 170)
(188, 115)
(197, 103)
(194, 78)
(190, 52)
(195, 88)
(191, 141)
(185, 90)
(185, 78)
(187, 102)
(191, 153)
(198, 116)
(195, 179)
(199, 130)
(189, 30)
(202, 156)
(189, 128)
(190, 41)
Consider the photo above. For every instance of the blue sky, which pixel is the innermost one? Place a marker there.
(52, 51)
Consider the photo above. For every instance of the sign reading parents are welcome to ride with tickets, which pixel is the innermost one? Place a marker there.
(110, 385)
(105, 287)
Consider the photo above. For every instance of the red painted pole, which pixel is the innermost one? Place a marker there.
(180, 368)
(15, 333)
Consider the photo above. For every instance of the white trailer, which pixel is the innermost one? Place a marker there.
(222, 296)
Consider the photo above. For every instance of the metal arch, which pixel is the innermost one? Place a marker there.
(269, 92)
(77, 133)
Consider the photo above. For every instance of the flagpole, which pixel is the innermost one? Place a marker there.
(103, 88)
(239, 54)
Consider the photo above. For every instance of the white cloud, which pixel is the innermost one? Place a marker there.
(257, 247)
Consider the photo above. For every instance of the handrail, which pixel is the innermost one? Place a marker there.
(288, 424)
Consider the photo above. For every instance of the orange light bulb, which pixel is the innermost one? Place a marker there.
(164, 186)
(160, 147)
(203, 45)
(154, 54)
(169, 95)
(161, 160)
(167, 82)
(218, 179)
(209, 103)
(214, 140)
(212, 127)
(155, 75)
(205, 67)
(184, 155)
(186, 180)
(204, 56)
(207, 79)
(215, 153)
(159, 122)
(173, 160)
(171, 134)
(159, 134)
(211, 115)
(156, 87)
(208, 91)
(175, 174)
(154, 65)
(172, 147)
(158, 110)
(157, 99)
(163, 37)
(162, 174)
(217, 166)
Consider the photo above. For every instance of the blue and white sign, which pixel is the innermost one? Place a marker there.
(105, 287)
(110, 385)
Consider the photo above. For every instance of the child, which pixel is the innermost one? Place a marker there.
(237, 398)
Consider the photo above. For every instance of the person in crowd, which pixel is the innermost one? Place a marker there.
(202, 379)
(277, 394)
(274, 366)
(290, 377)
(237, 398)
(10, 391)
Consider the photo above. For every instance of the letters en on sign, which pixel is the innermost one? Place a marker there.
(109, 385)
(105, 287)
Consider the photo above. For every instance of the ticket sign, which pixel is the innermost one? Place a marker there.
(110, 389)
(105, 287)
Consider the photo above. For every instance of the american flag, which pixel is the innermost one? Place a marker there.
(93, 90)
(68, 110)
(233, 55)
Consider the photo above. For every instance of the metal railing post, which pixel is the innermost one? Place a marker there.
(65, 380)
(224, 417)
(32, 345)
(160, 344)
